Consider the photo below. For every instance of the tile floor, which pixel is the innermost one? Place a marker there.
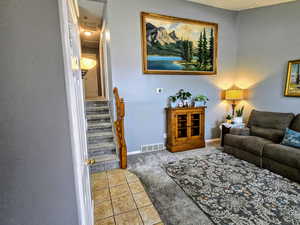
(120, 199)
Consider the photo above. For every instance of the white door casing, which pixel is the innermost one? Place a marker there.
(68, 12)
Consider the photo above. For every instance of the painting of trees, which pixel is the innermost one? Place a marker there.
(205, 51)
(178, 46)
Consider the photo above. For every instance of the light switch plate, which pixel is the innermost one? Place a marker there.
(159, 90)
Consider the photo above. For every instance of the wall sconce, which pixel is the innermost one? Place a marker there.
(86, 64)
(234, 94)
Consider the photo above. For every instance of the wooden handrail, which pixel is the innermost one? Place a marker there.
(119, 127)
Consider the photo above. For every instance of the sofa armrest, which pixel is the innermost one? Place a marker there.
(240, 131)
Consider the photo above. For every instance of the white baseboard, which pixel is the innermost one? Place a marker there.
(206, 141)
(134, 152)
(212, 140)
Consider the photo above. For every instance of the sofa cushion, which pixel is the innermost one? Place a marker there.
(254, 145)
(267, 133)
(234, 140)
(250, 144)
(240, 131)
(283, 154)
(296, 123)
(273, 120)
(291, 138)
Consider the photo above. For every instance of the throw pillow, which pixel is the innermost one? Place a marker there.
(291, 138)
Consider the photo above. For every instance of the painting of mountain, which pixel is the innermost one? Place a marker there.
(178, 46)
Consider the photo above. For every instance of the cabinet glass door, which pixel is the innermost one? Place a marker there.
(195, 124)
(182, 126)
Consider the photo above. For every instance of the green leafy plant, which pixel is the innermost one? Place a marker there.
(173, 98)
(201, 98)
(183, 95)
(229, 117)
(240, 112)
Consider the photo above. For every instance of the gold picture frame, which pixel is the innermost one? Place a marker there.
(292, 87)
(170, 45)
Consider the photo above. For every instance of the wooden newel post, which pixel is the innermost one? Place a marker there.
(119, 127)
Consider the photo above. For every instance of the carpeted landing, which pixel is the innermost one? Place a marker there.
(172, 203)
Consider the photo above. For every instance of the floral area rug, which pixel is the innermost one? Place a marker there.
(231, 191)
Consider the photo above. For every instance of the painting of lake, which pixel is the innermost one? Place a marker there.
(164, 63)
(178, 46)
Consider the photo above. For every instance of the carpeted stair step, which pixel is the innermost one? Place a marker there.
(98, 117)
(97, 110)
(94, 138)
(101, 149)
(92, 103)
(94, 127)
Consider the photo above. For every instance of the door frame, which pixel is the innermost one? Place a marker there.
(103, 60)
(78, 144)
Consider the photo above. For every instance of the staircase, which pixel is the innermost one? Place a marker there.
(100, 136)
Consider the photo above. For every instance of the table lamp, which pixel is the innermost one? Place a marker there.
(234, 94)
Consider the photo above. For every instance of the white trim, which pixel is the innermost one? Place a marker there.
(84, 217)
(212, 140)
(140, 152)
(134, 153)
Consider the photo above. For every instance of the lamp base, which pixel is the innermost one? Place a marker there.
(233, 108)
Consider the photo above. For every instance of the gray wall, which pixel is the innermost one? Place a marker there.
(145, 119)
(268, 38)
(36, 173)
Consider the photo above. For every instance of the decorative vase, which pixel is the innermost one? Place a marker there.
(199, 104)
(238, 120)
(229, 121)
(173, 104)
(185, 103)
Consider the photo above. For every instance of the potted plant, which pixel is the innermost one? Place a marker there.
(200, 100)
(184, 97)
(239, 115)
(229, 118)
(173, 101)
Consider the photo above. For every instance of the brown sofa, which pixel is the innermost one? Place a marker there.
(259, 143)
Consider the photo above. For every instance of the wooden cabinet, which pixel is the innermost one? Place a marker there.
(185, 128)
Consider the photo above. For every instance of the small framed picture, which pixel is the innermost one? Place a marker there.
(292, 88)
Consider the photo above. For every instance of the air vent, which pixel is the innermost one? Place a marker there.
(153, 147)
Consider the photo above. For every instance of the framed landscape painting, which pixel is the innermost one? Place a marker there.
(292, 88)
(174, 45)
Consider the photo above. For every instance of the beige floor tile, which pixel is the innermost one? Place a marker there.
(136, 187)
(101, 175)
(131, 177)
(103, 210)
(106, 221)
(129, 218)
(116, 171)
(115, 175)
(100, 184)
(114, 181)
(119, 190)
(101, 195)
(141, 199)
(149, 215)
(123, 204)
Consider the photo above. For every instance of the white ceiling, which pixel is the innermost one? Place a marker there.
(90, 18)
(239, 5)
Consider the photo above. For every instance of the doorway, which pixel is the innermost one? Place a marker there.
(90, 22)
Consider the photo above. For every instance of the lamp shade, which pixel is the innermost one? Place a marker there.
(234, 94)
